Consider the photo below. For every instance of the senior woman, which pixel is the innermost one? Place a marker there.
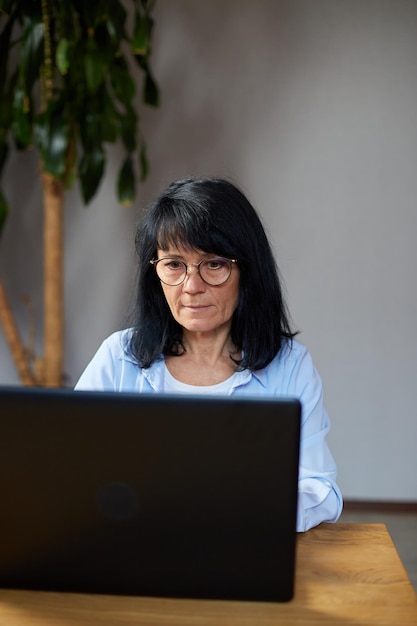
(210, 318)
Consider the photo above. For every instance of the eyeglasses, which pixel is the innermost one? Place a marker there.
(213, 271)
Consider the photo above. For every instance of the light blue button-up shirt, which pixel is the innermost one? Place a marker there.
(291, 373)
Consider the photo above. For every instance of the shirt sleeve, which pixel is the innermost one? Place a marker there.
(319, 497)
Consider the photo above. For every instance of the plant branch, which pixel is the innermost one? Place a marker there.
(14, 341)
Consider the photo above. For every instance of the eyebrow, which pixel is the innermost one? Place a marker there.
(176, 255)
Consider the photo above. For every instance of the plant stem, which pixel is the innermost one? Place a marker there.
(14, 341)
(47, 78)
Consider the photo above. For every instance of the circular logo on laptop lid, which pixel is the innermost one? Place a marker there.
(117, 501)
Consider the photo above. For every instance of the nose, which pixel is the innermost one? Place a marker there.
(193, 282)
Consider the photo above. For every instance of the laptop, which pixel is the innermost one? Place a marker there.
(150, 495)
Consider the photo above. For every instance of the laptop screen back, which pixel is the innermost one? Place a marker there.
(151, 495)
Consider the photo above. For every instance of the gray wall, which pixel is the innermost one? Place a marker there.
(309, 105)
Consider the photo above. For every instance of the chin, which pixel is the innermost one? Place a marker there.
(199, 326)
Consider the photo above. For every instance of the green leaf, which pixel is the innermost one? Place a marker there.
(105, 45)
(22, 123)
(88, 12)
(109, 117)
(128, 129)
(90, 129)
(115, 22)
(143, 163)
(91, 169)
(4, 151)
(62, 58)
(6, 105)
(55, 161)
(126, 185)
(4, 210)
(140, 39)
(151, 92)
(5, 36)
(123, 85)
(31, 53)
(41, 132)
(51, 134)
(71, 170)
(94, 66)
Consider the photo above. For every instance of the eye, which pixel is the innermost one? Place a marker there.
(173, 264)
(215, 264)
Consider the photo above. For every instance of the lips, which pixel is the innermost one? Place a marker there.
(196, 307)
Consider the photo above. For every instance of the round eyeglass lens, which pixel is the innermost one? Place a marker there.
(215, 271)
(171, 271)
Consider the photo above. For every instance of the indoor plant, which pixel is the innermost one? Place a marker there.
(68, 89)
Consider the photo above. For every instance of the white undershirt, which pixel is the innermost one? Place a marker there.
(172, 385)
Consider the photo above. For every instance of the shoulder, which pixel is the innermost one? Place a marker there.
(292, 348)
(289, 371)
(113, 367)
(117, 345)
(291, 354)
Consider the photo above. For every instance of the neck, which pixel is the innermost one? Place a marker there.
(206, 360)
(209, 348)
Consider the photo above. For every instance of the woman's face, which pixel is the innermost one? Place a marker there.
(195, 305)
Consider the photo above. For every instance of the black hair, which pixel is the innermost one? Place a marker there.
(213, 215)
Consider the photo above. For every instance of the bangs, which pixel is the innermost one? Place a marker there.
(190, 230)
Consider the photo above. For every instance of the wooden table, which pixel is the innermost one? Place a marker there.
(347, 574)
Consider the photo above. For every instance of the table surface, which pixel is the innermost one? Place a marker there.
(347, 574)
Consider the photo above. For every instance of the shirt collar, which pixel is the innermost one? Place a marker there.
(155, 376)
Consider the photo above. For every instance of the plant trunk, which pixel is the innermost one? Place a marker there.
(53, 199)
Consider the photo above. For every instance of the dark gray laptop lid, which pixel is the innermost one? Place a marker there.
(152, 495)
